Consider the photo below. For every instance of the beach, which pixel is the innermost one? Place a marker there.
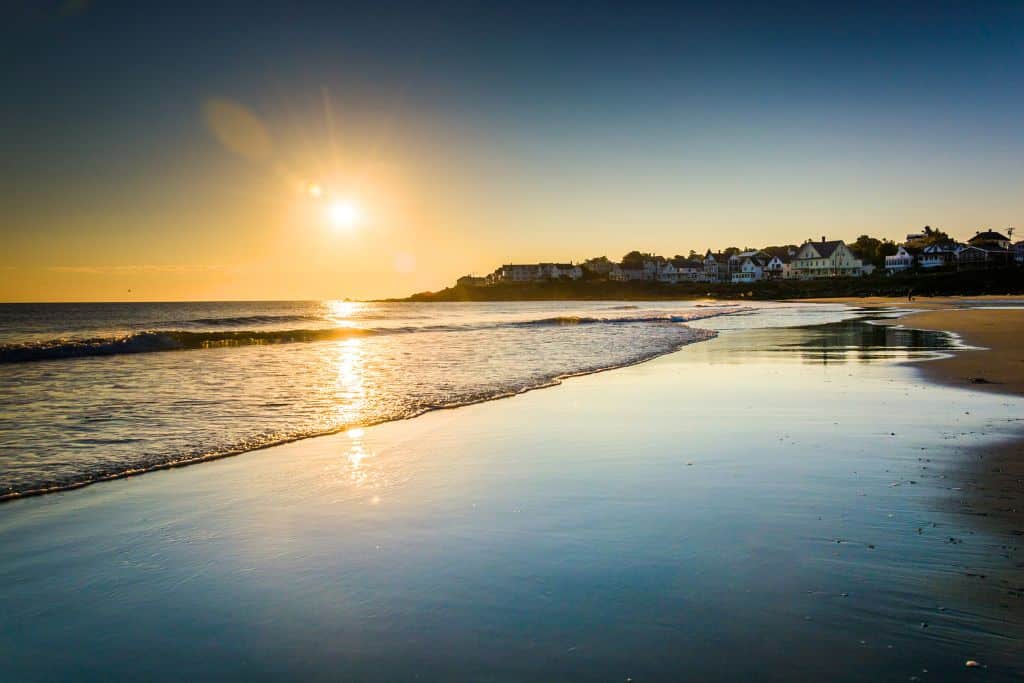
(753, 493)
(994, 477)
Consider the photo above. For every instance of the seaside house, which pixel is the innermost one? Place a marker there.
(560, 271)
(536, 272)
(666, 271)
(977, 258)
(689, 270)
(939, 255)
(778, 268)
(716, 267)
(902, 260)
(751, 270)
(471, 281)
(1018, 252)
(632, 272)
(988, 239)
(517, 272)
(826, 259)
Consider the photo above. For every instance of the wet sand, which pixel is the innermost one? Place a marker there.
(922, 303)
(991, 477)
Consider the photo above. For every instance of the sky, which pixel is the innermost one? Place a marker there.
(328, 150)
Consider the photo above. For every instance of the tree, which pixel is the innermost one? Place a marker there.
(873, 250)
(633, 259)
(934, 236)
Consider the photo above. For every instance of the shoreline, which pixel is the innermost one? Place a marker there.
(700, 335)
(995, 364)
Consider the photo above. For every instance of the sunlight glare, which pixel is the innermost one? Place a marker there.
(344, 214)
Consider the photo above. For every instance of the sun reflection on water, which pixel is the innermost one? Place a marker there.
(341, 312)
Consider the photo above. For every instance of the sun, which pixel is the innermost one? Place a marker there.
(344, 214)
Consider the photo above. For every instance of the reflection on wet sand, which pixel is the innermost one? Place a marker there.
(849, 341)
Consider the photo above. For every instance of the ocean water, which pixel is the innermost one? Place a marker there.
(94, 391)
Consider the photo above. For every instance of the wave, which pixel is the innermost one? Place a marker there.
(623, 320)
(233, 321)
(166, 340)
(151, 341)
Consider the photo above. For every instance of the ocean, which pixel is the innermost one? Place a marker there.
(96, 391)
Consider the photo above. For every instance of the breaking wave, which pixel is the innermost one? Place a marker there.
(151, 341)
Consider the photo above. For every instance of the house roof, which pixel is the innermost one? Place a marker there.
(989, 235)
(825, 248)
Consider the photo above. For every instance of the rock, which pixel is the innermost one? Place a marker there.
(970, 663)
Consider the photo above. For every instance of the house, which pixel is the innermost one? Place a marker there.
(689, 270)
(904, 259)
(516, 272)
(536, 272)
(558, 271)
(939, 255)
(716, 267)
(778, 268)
(665, 271)
(826, 259)
(1018, 252)
(974, 257)
(990, 238)
(471, 281)
(751, 270)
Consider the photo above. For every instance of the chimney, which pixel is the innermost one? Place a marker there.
(822, 238)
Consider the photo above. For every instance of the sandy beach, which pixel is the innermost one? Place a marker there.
(628, 524)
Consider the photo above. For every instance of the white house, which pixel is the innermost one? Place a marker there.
(751, 270)
(990, 238)
(826, 259)
(689, 271)
(556, 271)
(535, 272)
(778, 268)
(938, 255)
(666, 272)
(902, 260)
